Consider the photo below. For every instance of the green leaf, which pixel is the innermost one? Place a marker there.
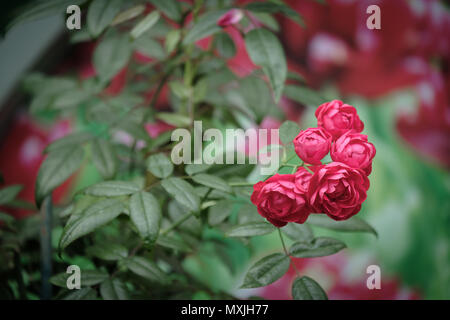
(6, 218)
(171, 8)
(172, 39)
(182, 192)
(173, 243)
(298, 232)
(288, 131)
(82, 294)
(225, 45)
(146, 269)
(104, 158)
(108, 251)
(275, 7)
(70, 99)
(128, 14)
(150, 47)
(250, 229)
(88, 278)
(94, 217)
(268, 20)
(70, 140)
(9, 193)
(175, 119)
(111, 55)
(145, 24)
(40, 9)
(219, 212)
(293, 75)
(303, 95)
(179, 90)
(200, 90)
(319, 247)
(159, 165)
(113, 289)
(305, 288)
(112, 189)
(265, 50)
(92, 277)
(212, 181)
(66, 211)
(100, 14)
(257, 95)
(206, 25)
(192, 168)
(56, 168)
(267, 270)
(145, 213)
(354, 224)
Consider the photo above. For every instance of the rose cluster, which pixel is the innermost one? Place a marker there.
(336, 189)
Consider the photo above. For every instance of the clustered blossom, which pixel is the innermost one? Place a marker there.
(336, 189)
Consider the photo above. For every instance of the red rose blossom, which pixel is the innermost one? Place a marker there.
(354, 150)
(280, 201)
(337, 190)
(337, 118)
(302, 179)
(312, 144)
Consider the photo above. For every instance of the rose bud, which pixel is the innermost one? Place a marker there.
(337, 118)
(337, 190)
(280, 201)
(354, 150)
(312, 144)
(231, 17)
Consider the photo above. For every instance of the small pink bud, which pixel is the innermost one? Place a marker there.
(231, 17)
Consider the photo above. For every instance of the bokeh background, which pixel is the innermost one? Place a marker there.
(397, 77)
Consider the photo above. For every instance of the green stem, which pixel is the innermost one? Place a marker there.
(287, 253)
(240, 184)
(310, 171)
(282, 242)
(285, 161)
(177, 223)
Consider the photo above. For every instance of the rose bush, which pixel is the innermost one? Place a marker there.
(140, 228)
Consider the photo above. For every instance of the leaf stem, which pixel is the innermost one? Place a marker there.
(287, 253)
(282, 242)
(240, 184)
(177, 223)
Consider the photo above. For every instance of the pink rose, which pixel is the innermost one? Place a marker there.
(231, 17)
(338, 118)
(354, 150)
(302, 179)
(337, 190)
(312, 144)
(280, 201)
